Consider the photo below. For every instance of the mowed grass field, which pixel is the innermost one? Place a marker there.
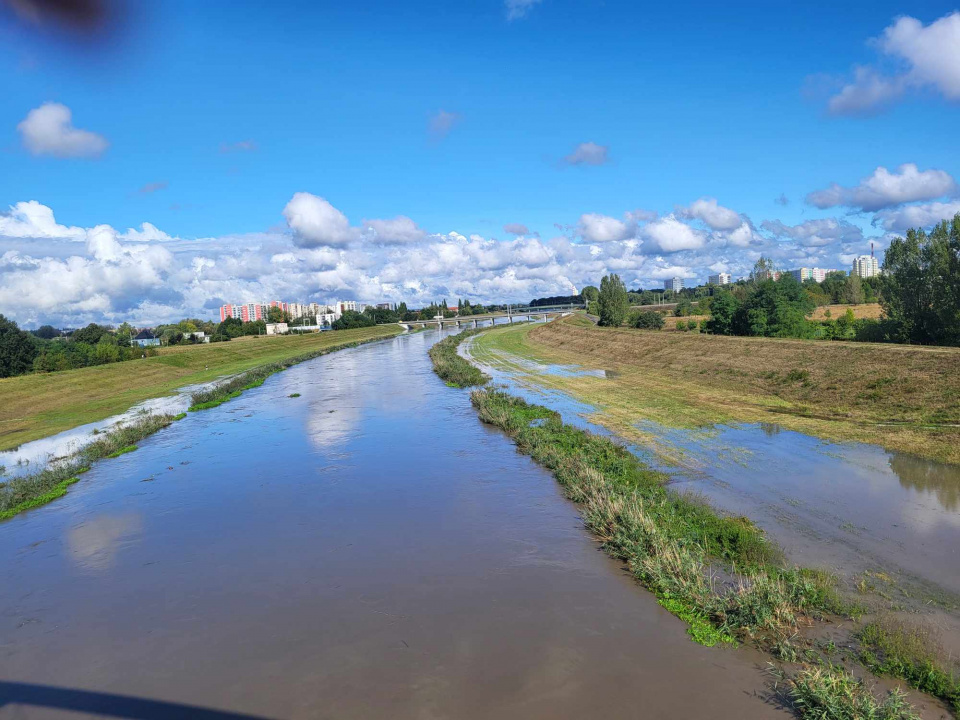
(902, 397)
(870, 311)
(36, 406)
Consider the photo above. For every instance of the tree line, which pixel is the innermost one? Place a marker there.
(918, 290)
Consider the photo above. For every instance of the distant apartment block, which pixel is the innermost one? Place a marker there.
(229, 311)
(817, 274)
(251, 312)
(345, 305)
(865, 266)
(675, 284)
(321, 314)
(719, 279)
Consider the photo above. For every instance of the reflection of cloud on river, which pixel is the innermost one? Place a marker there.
(349, 382)
(94, 544)
(327, 428)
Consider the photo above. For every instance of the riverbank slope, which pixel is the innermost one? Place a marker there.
(902, 397)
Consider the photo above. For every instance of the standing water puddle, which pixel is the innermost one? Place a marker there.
(34, 456)
(848, 508)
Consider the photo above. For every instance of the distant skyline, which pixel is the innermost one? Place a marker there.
(201, 153)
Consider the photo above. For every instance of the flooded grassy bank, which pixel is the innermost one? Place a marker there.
(516, 369)
(39, 405)
(24, 488)
(904, 398)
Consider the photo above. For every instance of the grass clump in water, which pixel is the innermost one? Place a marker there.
(911, 653)
(831, 693)
(294, 395)
(30, 491)
(453, 369)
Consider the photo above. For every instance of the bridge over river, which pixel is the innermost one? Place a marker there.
(523, 313)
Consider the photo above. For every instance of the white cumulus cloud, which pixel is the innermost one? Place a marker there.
(315, 222)
(598, 228)
(917, 216)
(670, 235)
(49, 130)
(709, 211)
(929, 54)
(401, 230)
(815, 233)
(884, 189)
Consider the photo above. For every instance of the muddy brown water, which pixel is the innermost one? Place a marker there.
(366, 550)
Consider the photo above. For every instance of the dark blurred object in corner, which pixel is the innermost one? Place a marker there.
(83, 18)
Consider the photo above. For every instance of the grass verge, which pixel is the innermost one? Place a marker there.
(912, 654)
(453, 369)
(29, 491)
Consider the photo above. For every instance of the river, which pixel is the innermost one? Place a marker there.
(368, 549)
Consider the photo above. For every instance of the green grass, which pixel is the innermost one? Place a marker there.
(831, 693)
(453, 369)
(56, 491)
(29, 491)
(294, 395)
(36, 406)
(911, 653)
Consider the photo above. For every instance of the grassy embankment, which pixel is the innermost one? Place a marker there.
(679, 548)
(22, 493)
(452, 368)
(902, 397)
(36, 406)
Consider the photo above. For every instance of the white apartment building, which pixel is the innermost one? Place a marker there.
(675, 284)
(719, 279)
(818, 274)
(345, 305)
(865, 266)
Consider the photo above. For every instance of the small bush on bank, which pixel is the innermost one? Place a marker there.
(648, 320)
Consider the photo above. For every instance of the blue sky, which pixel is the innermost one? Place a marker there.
(205, 119)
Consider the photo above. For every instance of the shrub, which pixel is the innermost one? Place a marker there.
(648, 320)
(681, 324)
(692, 325)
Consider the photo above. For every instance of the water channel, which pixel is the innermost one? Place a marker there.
(368, 549)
